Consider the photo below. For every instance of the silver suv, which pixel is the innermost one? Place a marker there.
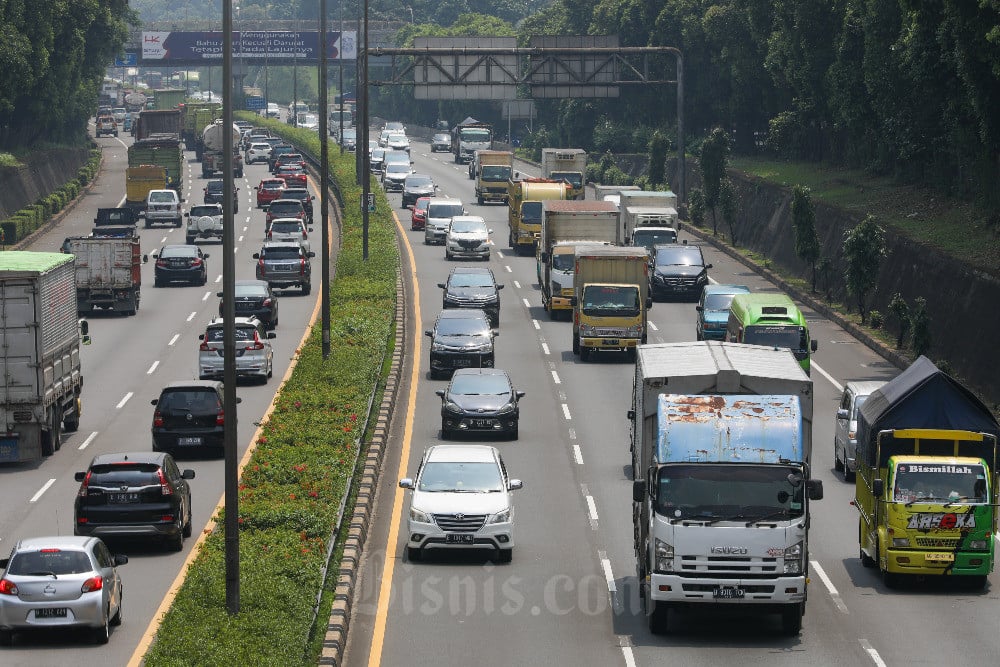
(254, 356)
(163, 206)
(285, 264)
(461, 500)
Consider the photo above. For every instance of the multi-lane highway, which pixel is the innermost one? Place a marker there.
(130, 359)
(569, 596)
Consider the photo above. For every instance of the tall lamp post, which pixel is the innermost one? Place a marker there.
(324, 176)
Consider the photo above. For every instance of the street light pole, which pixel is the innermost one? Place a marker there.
(366, 181)
(324, 177)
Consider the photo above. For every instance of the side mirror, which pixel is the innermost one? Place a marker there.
(154, 401)
(649, 302)
(842, 414)
(84, 327)
(218, 294)
(406, 483)
(544, 257)
(188, 214)
(638, 490)
(878, 487)
(814, 487)
(500, 286)
(120, 559)
(440, 392)
(256, 255)
(515, 484)
(708, 266)
(630, 415)
(309, 229)
(80, 476)
(813, 345)
(201, 336)
(429, 333)
(310, 254)
(572, 302)
(700, 309)
(519, 394)
(441, 285)
(271, 335)
(187, 474)
(205, 256)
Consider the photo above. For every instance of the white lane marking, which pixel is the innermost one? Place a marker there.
(192, 315)
(629, 658)
(218, 278)
(652, 326)
(45, 487)
(527, 304)
(517, 284)
(244, 229)
(176, 336)
(153, 367)
(537, 325)
(872, 653)
(608, 574)
(235, 250)
(207, 294)
(834, 593)
(839, 387)
(545, 349)
(500, 254)
(577, 455)
(591, 508)
(163, 240)
(122, 402)
(565, 409)
(555, 378)
(240, 239)
(506, 266)
(86, 443)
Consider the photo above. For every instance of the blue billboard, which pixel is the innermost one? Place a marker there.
(205, 48)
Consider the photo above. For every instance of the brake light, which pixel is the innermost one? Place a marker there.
(84, 485)
(204, 346)
(220, 418)
(305, 234)
(196, 261)
(7, 587)
(158, 419)
(161, 262)
(302, 267)
(261, 267)
(92, 584)
(270, 234)
(165, 488)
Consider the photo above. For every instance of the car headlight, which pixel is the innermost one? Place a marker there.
(451, 406)
(901, 542)
(586, 330)
(438, 347)
(501, 517)
(420, 517)
(663, 557)
(793, 559)
(506, 409)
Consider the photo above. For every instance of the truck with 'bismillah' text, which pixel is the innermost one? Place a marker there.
(524, 216)
(721, 441)
(611, 299)
(926, 479)
(39, 354)
(566, 164)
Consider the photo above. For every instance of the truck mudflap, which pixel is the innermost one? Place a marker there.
(671, 588)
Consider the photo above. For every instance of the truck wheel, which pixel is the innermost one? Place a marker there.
(576, 344)
(631, 354)
(189, 240)
(584, 353)
(865, 560)
(479, 200)
(657, 618)
(838, 465)
(791, 619)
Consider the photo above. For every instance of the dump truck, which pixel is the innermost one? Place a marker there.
(108, 273)
(158, 123)
(564, 225)
(212, 157)
(139, 180)
(721, 442)
(611, 299)
(470, 136)
(40, 354)
(661, 217)
(170, 98)
(926, 478)
(524, 219)
(566, 164)
(492, 170)
(162, 150)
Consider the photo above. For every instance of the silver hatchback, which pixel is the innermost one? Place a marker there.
(254, 356)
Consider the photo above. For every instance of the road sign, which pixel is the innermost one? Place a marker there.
(255, 103)
(128, 60)
(371, 202)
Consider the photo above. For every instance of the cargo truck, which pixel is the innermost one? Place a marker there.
(721, 441)
(470, 136)
(195, 117)
(139, 180)
(164, 122)
(524, 219)
(564, 225)
(612, 193)
(661, 217)
(170, 98)
(492, 170)
(163, 150)
(926, 479)
(108, 273)
(611, 299)
(212, 157)
(566, 164)
(39, 354)
(658, 198)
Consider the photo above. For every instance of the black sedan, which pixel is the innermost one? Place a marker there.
(441, 142)
(479, 400)
(254, 298)
(416, 186)
(213, 194)
(180, 263)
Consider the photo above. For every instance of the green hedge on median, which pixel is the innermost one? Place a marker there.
(292, 485)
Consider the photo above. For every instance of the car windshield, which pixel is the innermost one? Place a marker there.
(199, 211)
(378, 154)
(281, 253)
(444, 210)
(285, 208)
(648, 239)
(215, 334)
(479, 385)
(399, 168)
(776, 335)
(463, 326)
(398, 138)
(687, 256)
(419, 182)
(215, 186)
(707, 492)
(115, 475)
(460, 477)
(162, 197)
(468, 226)
(250, 290)
(188, 400)
(441, 137)
(397, 157)
(471, 280)
(296, 194)
(421, 205)
(272, 185)
(49, 562)
(718, 301)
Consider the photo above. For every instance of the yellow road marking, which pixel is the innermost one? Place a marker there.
(392, 542)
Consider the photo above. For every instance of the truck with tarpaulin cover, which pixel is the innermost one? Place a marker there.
(721, 442)
(161, 123)
(926, 478)
(39, 353)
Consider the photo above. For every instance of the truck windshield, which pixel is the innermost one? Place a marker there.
(789, 337)
(563, 262)
(706, 491)
(647, 238)
(476, 136)
(940, 482)
(496, 173)
(531, 212)
(574, 178)
(611, 301)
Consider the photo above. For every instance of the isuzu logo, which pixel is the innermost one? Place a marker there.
(730, 550)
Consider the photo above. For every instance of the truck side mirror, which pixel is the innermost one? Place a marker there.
(649, 302)
(813, 345)
(544, 257)
(638, 491)
(878, 487)
(630, 415)
(842, 414)
(700, 309)
(572, 302)
(814, 487)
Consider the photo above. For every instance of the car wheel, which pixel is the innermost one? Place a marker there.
(505, 555)
(204, 279)
(187, 524)
(447, 256)
(838, 465)
(102, 633)
(479, 200)
(117, 619)
(513, 432)
(306, 289)
(189, 240)
(6, 637)
(445, 433)
(848, 474)
(176, 542)
(413, 554)
(576, 345)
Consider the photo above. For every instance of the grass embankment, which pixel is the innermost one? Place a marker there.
(291, 488)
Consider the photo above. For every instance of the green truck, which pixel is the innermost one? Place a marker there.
(162, 151)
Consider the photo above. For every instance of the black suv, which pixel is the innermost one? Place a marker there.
(460, 339)
(213, 194)
(302, 194)
(189, 417)
(679, 270)
(473, 288)
(134, 494)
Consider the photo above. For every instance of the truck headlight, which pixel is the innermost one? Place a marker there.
(902, 542)
(978, 545)
(663, 556)
(501, 517)
(793, 559)
(634, 331)
(586, 330)
(420, 517)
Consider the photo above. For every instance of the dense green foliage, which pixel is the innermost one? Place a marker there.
(864, 249)
(291, 487)
(807, 246)
(53, 55)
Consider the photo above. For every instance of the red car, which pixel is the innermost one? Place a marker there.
(269, 190)
(418, 215)
(292, 175)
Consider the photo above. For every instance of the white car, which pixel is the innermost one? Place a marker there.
(845, 432)
(289, 229)
(398, 142)
(254, 355)
(258, 152)
(204, 222)
(467, 237)
(383, 138)
(461, 500)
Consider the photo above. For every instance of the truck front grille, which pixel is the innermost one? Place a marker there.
(460, 522)
(937, 543)
(728, 566)
(614, 332)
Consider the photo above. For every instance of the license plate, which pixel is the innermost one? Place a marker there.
(728, 593)
(120, 498)
(610, 341)
(55, 612)
(939, 557)
(463, 362)
(189, 441)
(482, 423)
(453, 538)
